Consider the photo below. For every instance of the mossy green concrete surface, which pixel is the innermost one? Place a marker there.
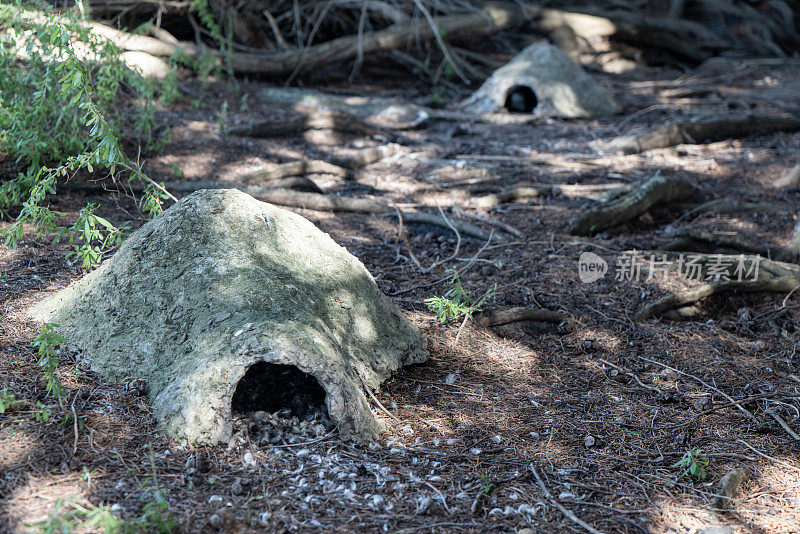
(219, 282)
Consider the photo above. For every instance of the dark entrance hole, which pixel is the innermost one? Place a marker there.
(521, 99)
(271, 387)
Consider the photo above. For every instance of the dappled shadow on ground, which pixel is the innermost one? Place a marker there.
(467, 426)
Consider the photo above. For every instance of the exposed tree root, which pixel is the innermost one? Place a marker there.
(297, 168)
(699, 131)
(514, 315)
(463, 227)
(773, 276)
(367, 156)
(334, 121)
(656, 191)
(698, 241)
(299, 184)
(732, 205)
(790, 179)
(524, 191)
(322, 202)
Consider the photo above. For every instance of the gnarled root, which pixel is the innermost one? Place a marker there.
(656, 191)
(773, 276)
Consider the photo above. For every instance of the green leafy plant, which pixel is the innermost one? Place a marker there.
(486, 486)
(59, 115)
(457, 302)
(87, 476)
(94, 236)
(156, 516)
(70, 516)
(693, 465)
(7, 400)
(41, 413)
(47, 344)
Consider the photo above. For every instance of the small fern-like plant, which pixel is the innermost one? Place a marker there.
(457, 302)
(693, 465)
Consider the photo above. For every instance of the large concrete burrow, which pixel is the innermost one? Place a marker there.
(225, 304)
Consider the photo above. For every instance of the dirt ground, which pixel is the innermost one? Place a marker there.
(473, 427)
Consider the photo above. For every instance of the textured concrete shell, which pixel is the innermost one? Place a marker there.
(559, 86)
(219, 283)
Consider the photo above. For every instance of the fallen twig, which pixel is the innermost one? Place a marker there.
(704, 383)
(779, 462)
(569, 514)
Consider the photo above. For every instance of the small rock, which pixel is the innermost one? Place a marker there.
(248, 458)
(201, 462)
(215, 498)
(263, 518)
(236, 488)
(423, 504)
(590, 441)
(616, 376)
(758, 346)
(702, 404)
(668, 374)
(589, 345)
(669, 397)
(217, 519)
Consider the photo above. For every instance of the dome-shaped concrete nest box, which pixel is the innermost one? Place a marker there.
(544, 81)
(225, 304)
